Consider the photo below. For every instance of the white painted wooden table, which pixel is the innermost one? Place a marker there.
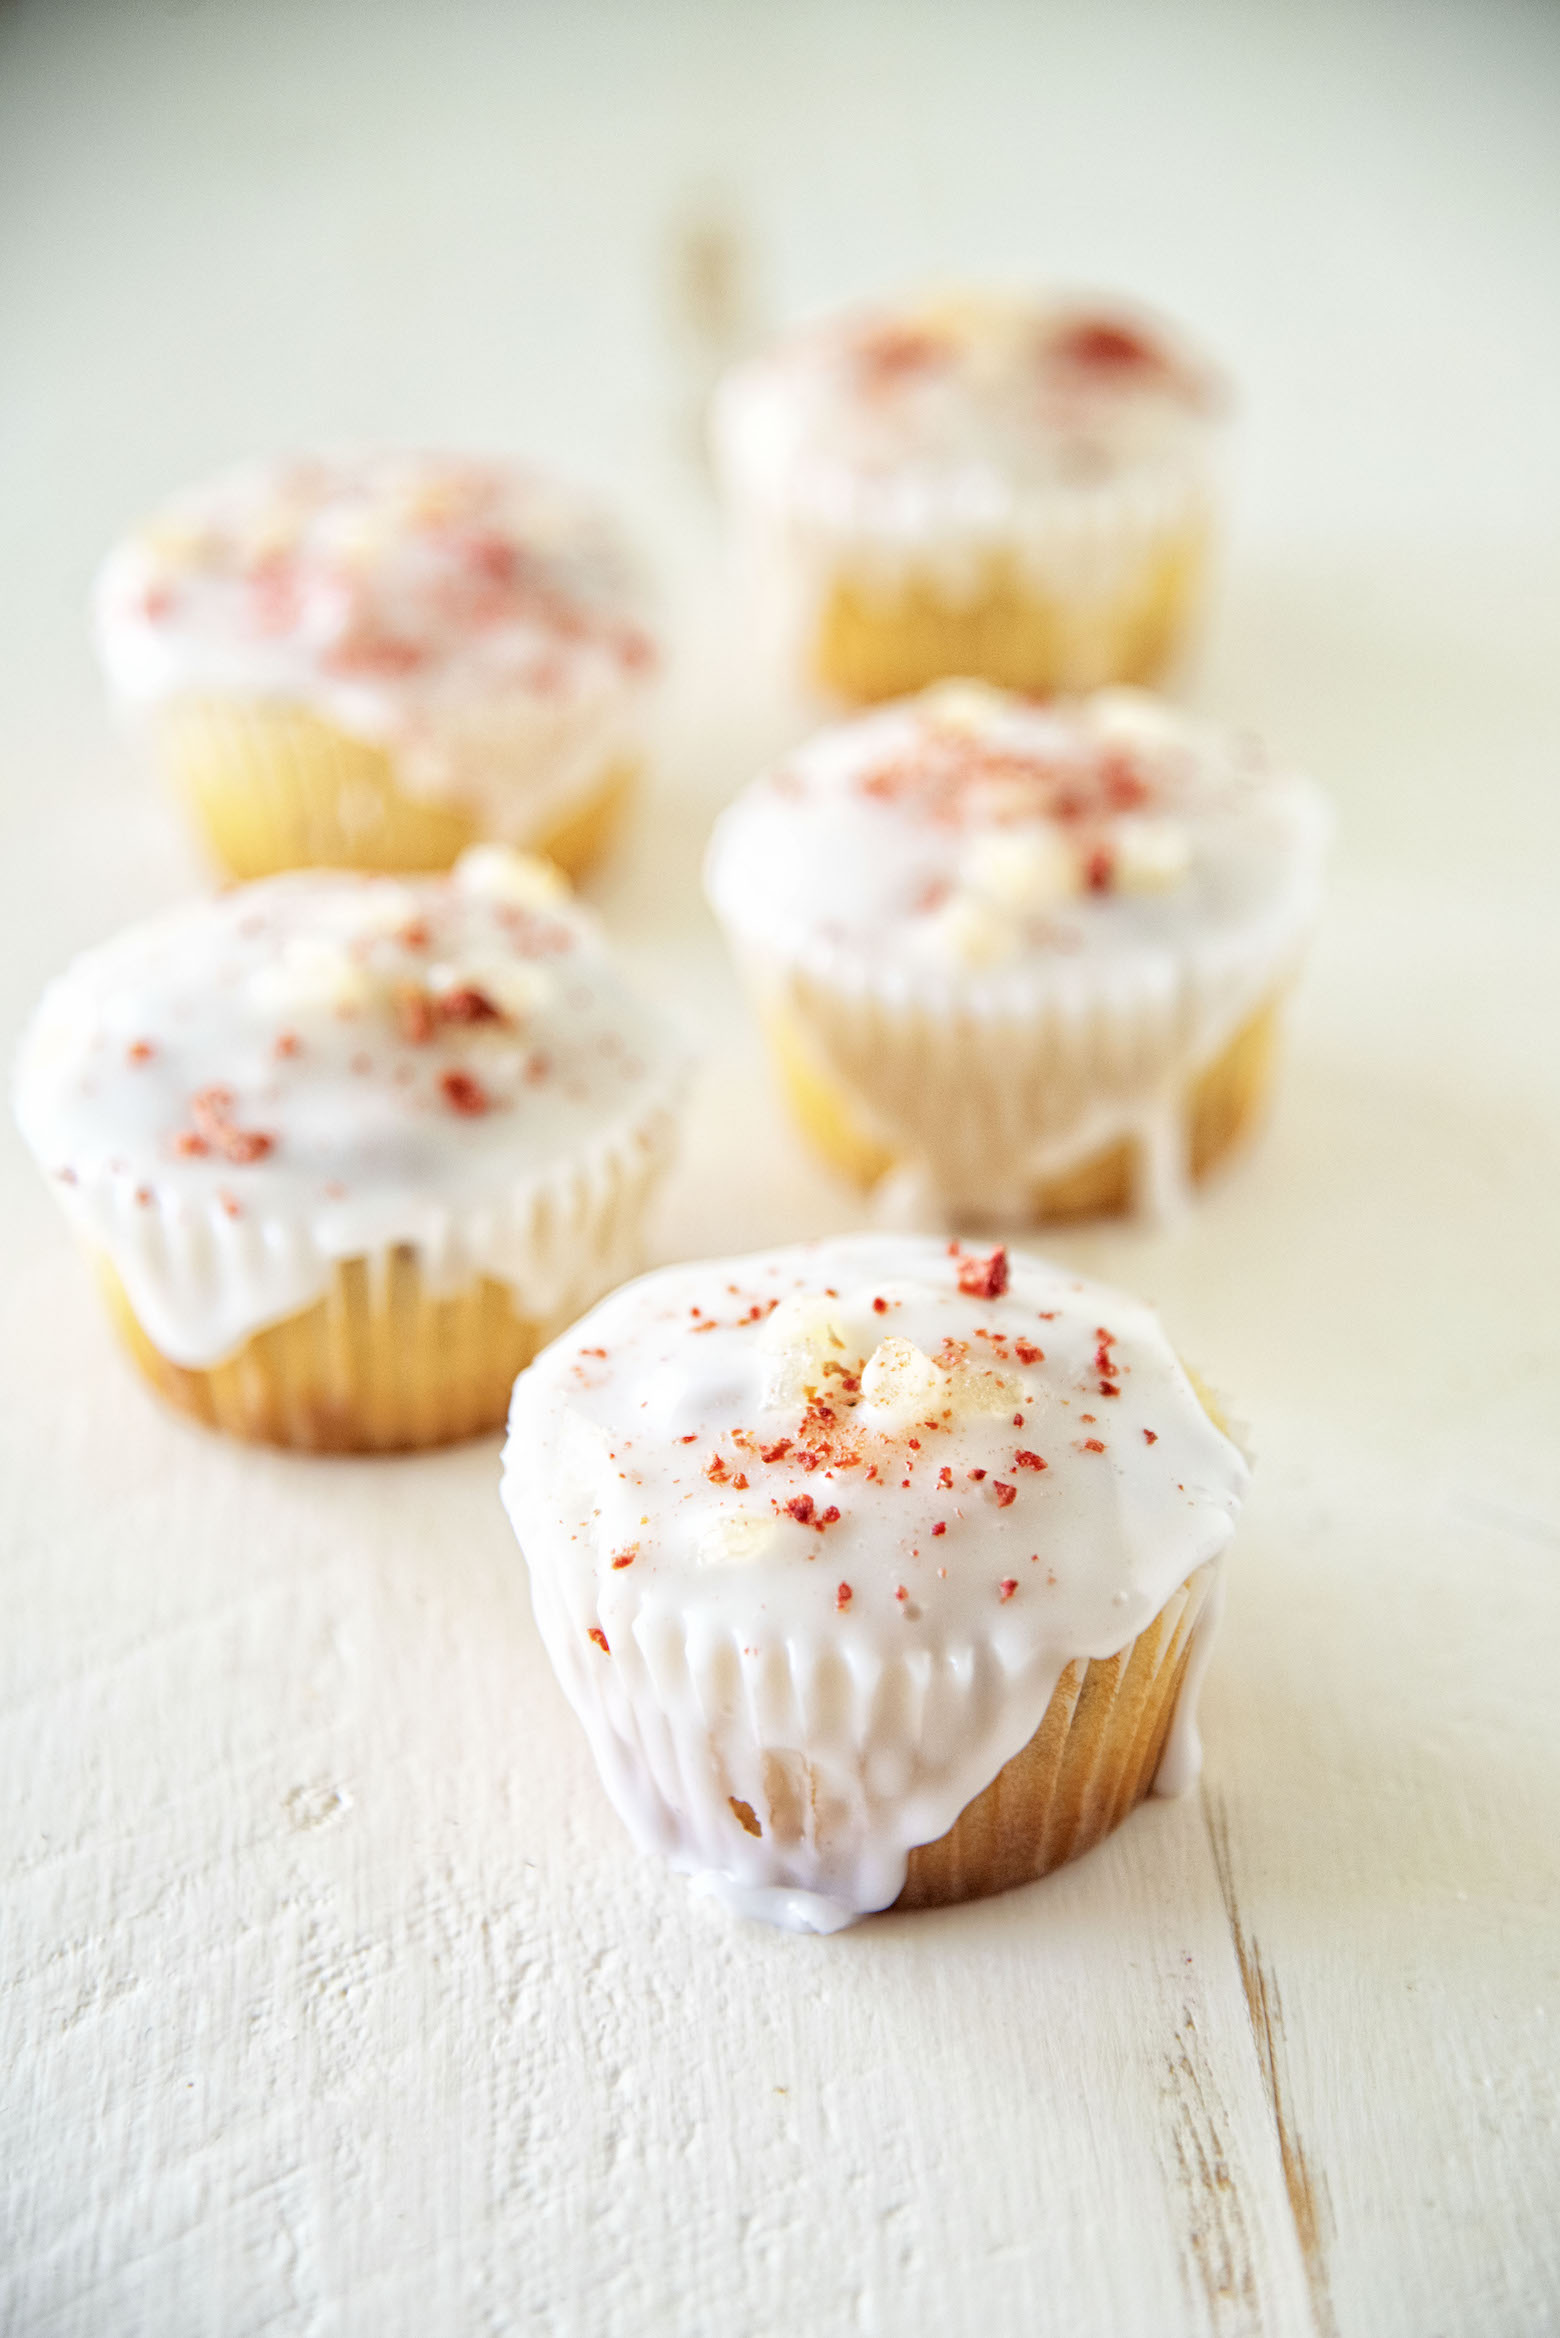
(333, 2002)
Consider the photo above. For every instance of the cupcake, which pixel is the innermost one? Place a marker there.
(374, 661)
(346, 1150)
(880, 1573)
(1019, 489)
(1031, 956)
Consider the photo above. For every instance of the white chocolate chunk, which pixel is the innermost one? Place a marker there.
(1022, 868)
(521, 878)
(1149, 856)
(973, 932)
(735, 1538)
(802, 1337)
(901, 1384)
(973, 707)
(313, 975)
(1135, 718)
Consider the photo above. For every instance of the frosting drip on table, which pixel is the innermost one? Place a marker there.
(472, 618)
(1090, 897)
(817, 1532)
(233, 1097)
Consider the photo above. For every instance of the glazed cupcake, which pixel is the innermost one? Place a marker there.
(1018, 489)
(373, 661)
(879, 1573)
(346, 1150)
(1030, 957)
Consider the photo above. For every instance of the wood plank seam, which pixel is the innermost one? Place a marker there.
(1310, 2202)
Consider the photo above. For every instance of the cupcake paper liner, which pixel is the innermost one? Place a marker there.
(836, 1780)
(275, 786)
(403, 1343)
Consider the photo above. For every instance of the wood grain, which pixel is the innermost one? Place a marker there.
(333, 2003)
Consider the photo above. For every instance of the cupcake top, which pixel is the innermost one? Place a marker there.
(415, 600)
(968, 838)
(314, 1066)
(960, 406)
(849, 1509)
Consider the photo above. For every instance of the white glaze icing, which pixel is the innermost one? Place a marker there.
(231, 1098)
(791, 1547)
(474, 619)
(1076, 436)
(1013, 933)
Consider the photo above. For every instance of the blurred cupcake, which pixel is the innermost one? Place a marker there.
(347, 1150)
(372, 661)
(1032, 955)
(879, 1574)
(1017, 489)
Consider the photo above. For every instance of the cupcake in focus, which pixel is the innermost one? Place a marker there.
(879, 1573)
(374, 661)
(1031, 957)
(346, 1150)
(1019, 489)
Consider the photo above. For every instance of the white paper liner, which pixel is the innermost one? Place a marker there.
(200, 1282)
(844, 1755)
(515, 766)
(989, 1090)
(1083, 546)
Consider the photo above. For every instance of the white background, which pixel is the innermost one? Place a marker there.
(331, 1999)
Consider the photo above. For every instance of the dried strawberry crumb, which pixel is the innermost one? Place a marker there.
(945, 1477)
(1099, 870)
(464, 1094)
(140, 1051)
(977, 1475)
(468, 1004)
(1109, 1388)
(800, 1507)
(715, 1469)
(599, 1636)
(775, 1452)
(1027, 1352)
(1005, 1494)
(191, 1145)
(984, 1278)
(1113, 348)
(1151, 1436)
(414, 1014)
(829, 1517)
(941, 1527)
(247, 1144)
(626, 1558)
(1093, 1445)
(900, 1593)
(1007, 1587)
(739, 1482)
(1018, 1420)
(880, 1306)
(843, 1596)
(287, 1043)
(1028, 1461)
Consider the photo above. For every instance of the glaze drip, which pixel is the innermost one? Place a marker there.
(813, 1535)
